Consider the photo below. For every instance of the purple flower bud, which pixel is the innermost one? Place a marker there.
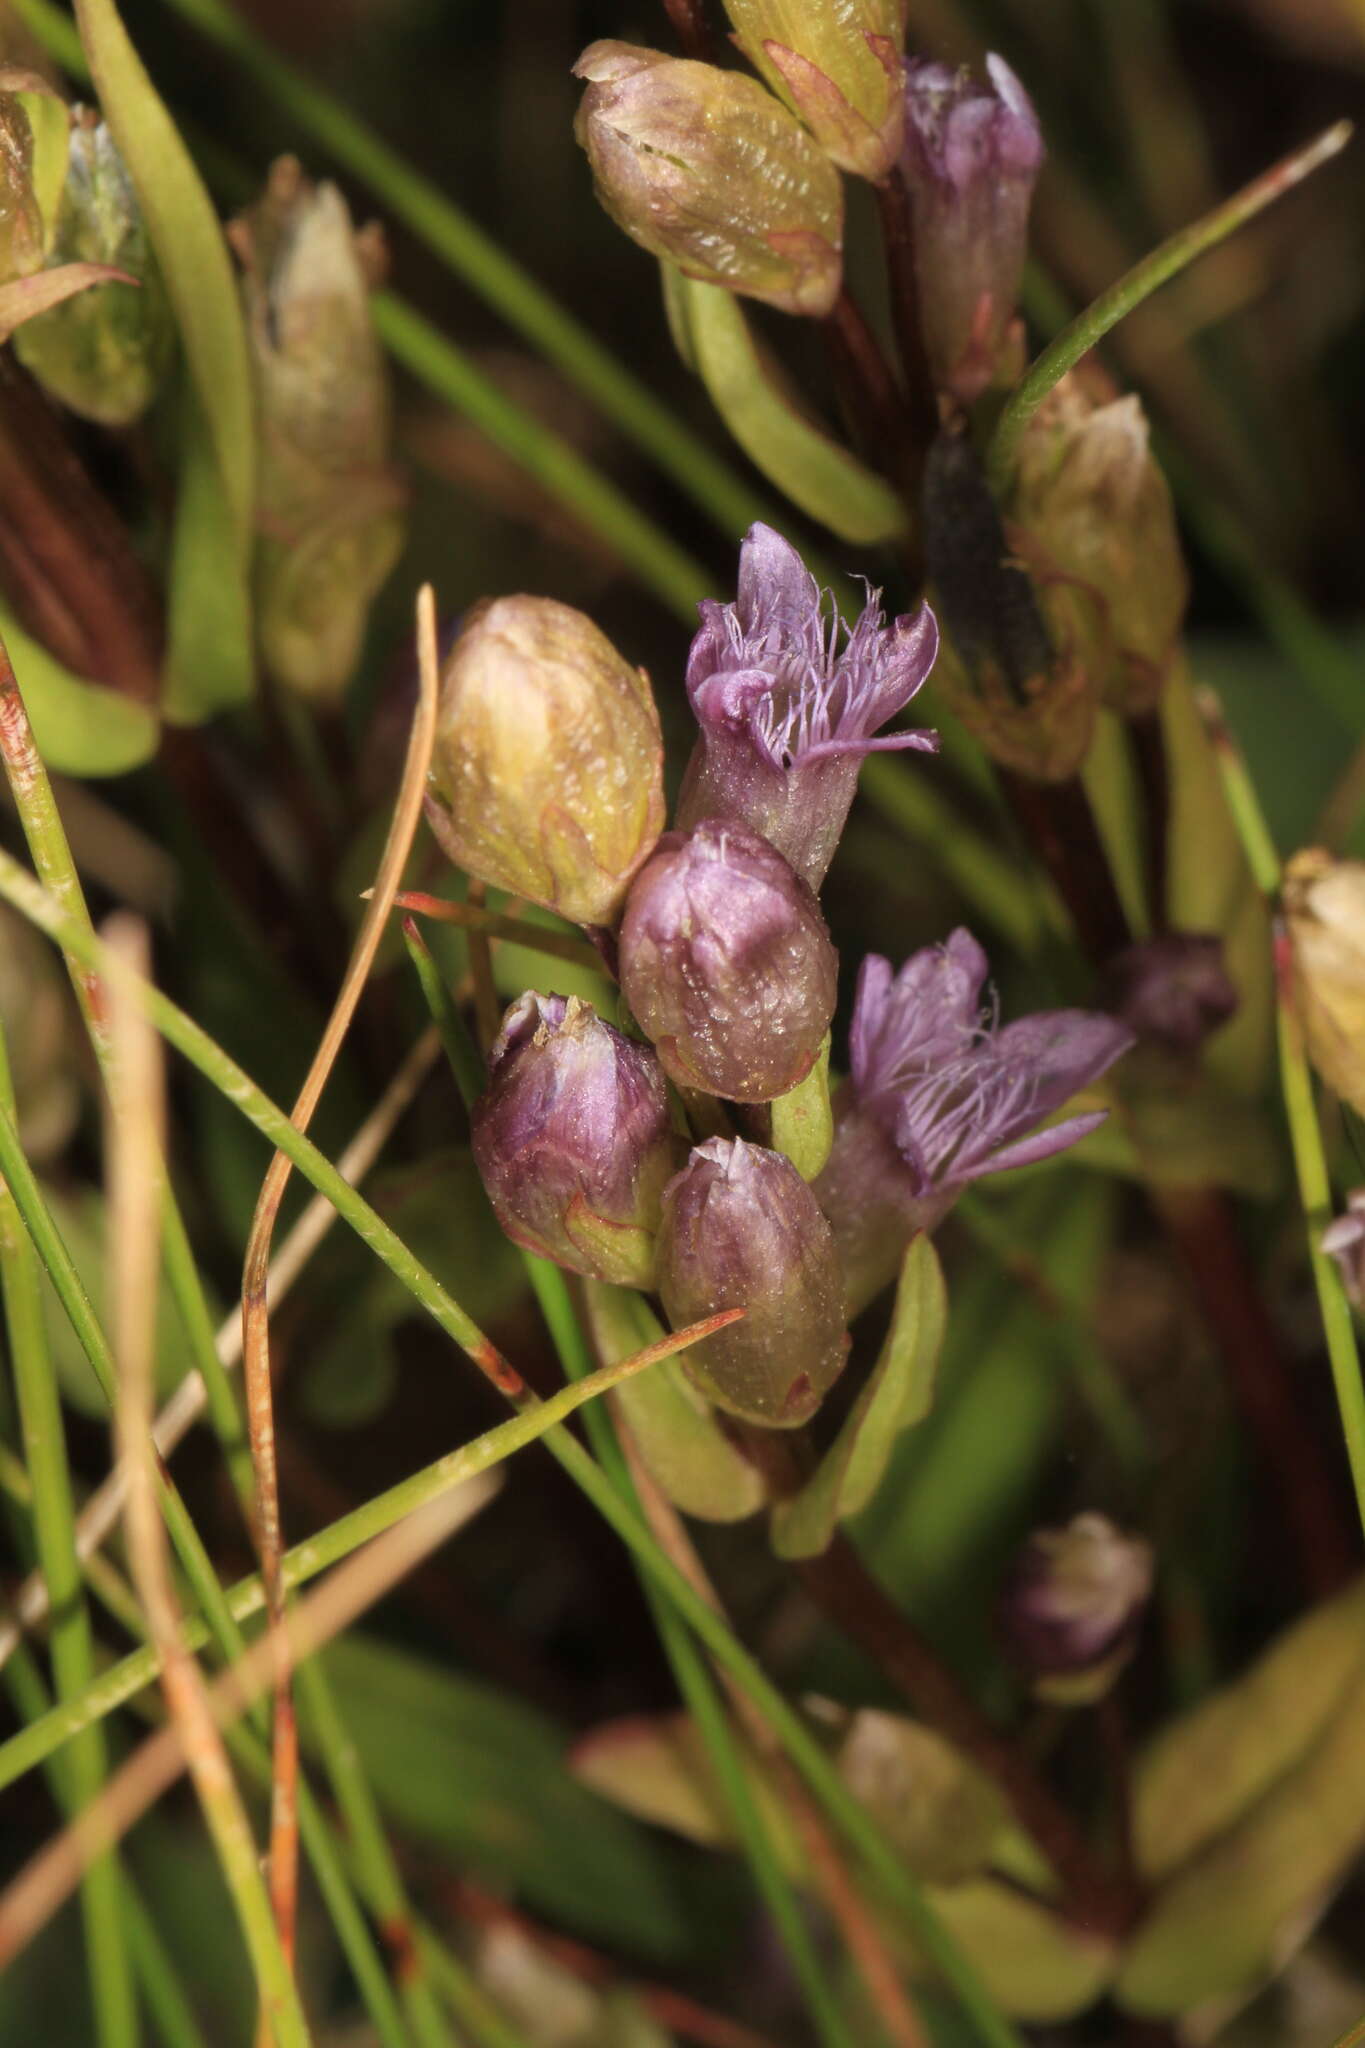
(726, 963)
(705, 169)
(940, 1094)
(971, 155)
(742, 1230)
(1173, 990)
(574, 1140)
(1344, 1241)
(1071, 1608)
(789, 701)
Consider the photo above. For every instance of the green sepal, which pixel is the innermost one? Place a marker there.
(675, 1428)
(898, 1394)
(802, 1120)
(764, 414)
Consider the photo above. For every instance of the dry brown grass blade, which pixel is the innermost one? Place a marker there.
(101, 1512)
(255, 1308)
(134, 1150)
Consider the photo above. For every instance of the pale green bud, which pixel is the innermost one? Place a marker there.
(548, 769)
(707, 170)
(1092, 519)
(329, 507)
(104, 353)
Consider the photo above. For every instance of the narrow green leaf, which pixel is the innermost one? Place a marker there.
(219, 478)
(764, 413)
(803, 1122)
(210, 663)
(81, 728)
(1038, 1966)
(676, 1431)
(897, 1396)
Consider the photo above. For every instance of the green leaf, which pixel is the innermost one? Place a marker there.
(218, 476)
(81, 728)
(1225, 1919)
(802, 1120)
(1206, 1769)
(656, 1767)
(943, 1815)
(764, 413)
(1035, 1965)
(472, 1772)
(210, 664)
(897, 1396)
(675, 1429)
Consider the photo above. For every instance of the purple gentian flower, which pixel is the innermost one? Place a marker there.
(971, 155)
(940, 1094)
(789, 701)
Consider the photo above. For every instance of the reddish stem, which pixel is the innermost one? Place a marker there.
(1058, 821)
(898, 236)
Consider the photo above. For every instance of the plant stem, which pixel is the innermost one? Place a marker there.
(1058, 822)
(1137, 284)
(1154, 780)
(898, 238)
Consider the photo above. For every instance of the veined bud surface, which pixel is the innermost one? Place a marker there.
(548, 768)
(574, 1141)
(104, 353)
(972, 153)
(1324, 901)
(21, 215)
(330, 505)
(1092, 518)
(726, 963)
(741, 1229)
(837, 63)
(707, 170)
(1071, 1611)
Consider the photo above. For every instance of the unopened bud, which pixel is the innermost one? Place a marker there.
(1344, 1241)
(1092, 518)
(1031, 704)
(104, 353)
(1172, 991)
(741, 1229)
(1324, 901)
(574, 1140)
(21, 218)
(549, 761)
(837, 65)
(726, 963)
(707, 170)
(1072, 1608)
(971, 155)
(329, 506)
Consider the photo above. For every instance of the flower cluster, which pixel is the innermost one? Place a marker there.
(547, 782)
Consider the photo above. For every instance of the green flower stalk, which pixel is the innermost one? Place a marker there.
(548, 768)
(104, 354)
(741, 1229)
(329, 509)
(836, 63)
(705, 169)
